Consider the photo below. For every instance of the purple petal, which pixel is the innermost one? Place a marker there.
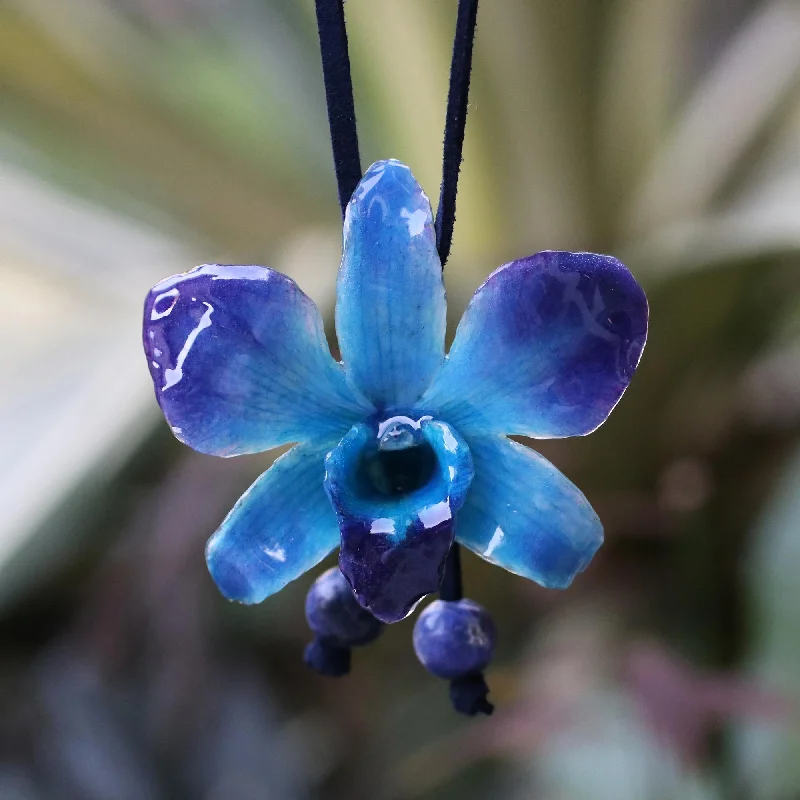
(546, 348)
(240, 363)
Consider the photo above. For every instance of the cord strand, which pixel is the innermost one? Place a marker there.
(455, 124)
(451, 588)
(452, 155)
(339, 97)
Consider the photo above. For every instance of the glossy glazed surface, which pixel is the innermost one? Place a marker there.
(394, 543)
(390, 306)
(546, 348)
(525, 516)
(240, 363)
(282, 526)
(452, 639)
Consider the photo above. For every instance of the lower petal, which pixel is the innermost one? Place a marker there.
(282, 526)
(525, 516)
(396, 491)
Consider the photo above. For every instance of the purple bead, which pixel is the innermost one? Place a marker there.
(334, 614)
(453, 639)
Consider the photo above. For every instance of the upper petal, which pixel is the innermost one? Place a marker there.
(240, 363)
(282, 526)
(546, 348)
(522, 514)
(390, 307)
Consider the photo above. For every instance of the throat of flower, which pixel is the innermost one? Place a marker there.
(403, 461)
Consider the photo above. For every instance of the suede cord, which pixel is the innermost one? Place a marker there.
(339, 97)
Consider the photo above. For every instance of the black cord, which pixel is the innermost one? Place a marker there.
(451, 588)
(454, 127)
(339, 97)
(455, 123)
(342, 115)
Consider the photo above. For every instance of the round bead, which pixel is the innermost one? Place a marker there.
(453, 639)
(335, 616)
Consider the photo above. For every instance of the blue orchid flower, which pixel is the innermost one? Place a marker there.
(400, 448)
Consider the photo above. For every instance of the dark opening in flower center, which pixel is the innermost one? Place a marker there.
(395, 472)
(402, 460)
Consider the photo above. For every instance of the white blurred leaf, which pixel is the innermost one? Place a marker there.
(729, 107)
(76, 397)
(763, 220)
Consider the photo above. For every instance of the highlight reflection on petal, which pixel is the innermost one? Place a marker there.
(390, 307)
(282, 526)
(546, 348)
(240, 363)
(522, 514)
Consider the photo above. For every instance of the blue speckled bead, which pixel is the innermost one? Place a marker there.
(334, 614)
(452, 639)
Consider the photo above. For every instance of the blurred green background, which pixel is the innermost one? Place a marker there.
(140, 137)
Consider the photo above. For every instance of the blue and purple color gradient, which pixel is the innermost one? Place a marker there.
(400, 449)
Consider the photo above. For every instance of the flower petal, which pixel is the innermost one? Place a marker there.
(240, 363)
(546, 348)
(390, 309)
(522, 514)
(281, 526)
(394, 544)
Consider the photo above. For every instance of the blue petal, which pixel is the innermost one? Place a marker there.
(390, 309)
(282, 526)
(396, 531)
(240, 363)
(546, 348)
(525, 516)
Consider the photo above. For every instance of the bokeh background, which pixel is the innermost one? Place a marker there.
(140, 137)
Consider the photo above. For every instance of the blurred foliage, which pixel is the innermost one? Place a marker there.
(664, 131)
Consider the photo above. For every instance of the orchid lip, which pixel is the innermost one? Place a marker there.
(396, 485)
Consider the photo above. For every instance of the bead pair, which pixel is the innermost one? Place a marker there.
(452, 639)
